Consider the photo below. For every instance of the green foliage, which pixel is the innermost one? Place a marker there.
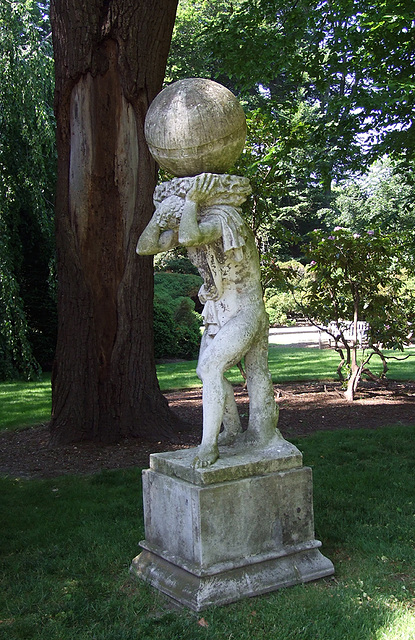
(279, 307)
(284, 202)
(280, 303)
(384, 199)
(188, 333)
(15, 352)
(176, 324)
(359, 277)
(319, 82)
(175, 261)
(363, 274)
(389, 58)
(164, 329)
(175, 285)
(95, 522)
(27, 176)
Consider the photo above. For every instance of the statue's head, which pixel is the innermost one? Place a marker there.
(169, 212)
(195, 126)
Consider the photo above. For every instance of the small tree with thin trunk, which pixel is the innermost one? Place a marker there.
(110, 58)
(354, 278)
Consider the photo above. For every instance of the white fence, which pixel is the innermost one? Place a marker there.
(311, 336)
(347, 328)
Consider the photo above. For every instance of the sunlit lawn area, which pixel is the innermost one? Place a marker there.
(66, 545)
(24, 404)
(287, 364)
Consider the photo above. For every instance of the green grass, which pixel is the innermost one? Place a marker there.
(287, 364)
(66, 545)
(26, 403)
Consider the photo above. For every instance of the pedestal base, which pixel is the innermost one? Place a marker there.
(200, 592)
(241, 529)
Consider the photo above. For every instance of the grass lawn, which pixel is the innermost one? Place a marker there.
(26, 403)
(287, 364)
(66, 545)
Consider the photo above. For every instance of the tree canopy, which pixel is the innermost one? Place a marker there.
(324, 84)
(27, 175)
(327, 89)
(352, 60)
(359, 277)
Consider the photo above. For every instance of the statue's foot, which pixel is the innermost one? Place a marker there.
(205, 457)
(251, 437)
(227, 437)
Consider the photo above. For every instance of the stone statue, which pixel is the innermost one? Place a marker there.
(202, 214)
(215, 533)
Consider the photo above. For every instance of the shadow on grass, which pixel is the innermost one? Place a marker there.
(27, 403)
(67, 544)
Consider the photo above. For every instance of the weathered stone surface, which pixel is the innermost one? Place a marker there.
(195, 125)
(215, 543)
(235, 517)
(202, 213)
(234, 463)
(200, 592)
(219, 526)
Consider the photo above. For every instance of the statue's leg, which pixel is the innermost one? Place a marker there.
(231, 421)
(213, 397)
(263, 410)
(217, 355)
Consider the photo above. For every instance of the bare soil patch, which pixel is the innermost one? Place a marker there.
(304, 409)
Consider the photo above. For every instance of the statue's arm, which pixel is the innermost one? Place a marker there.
(193, 233)
(155, 240)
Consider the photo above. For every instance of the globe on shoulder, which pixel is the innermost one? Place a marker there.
(195, 126)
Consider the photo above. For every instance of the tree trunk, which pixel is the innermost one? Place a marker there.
(110, 58)
(353, 381)
(355, 369)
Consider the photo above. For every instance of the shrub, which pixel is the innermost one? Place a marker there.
(174, 261)
(176, 323)
(280, 303)
(280, 307)
(187, 329)
(164, 330)
(360, 277)
(177, 285)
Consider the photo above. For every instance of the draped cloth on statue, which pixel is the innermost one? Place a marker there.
(207, 258)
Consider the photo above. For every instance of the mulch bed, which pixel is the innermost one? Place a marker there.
(304, 409)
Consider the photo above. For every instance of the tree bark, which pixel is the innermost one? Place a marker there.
(355, 369)
(110, 58)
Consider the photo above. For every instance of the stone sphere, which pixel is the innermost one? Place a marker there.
(195, 126)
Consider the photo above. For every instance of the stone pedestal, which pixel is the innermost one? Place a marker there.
(239, 528)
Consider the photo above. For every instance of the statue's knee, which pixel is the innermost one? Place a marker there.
(206, 370)
(201, 371)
